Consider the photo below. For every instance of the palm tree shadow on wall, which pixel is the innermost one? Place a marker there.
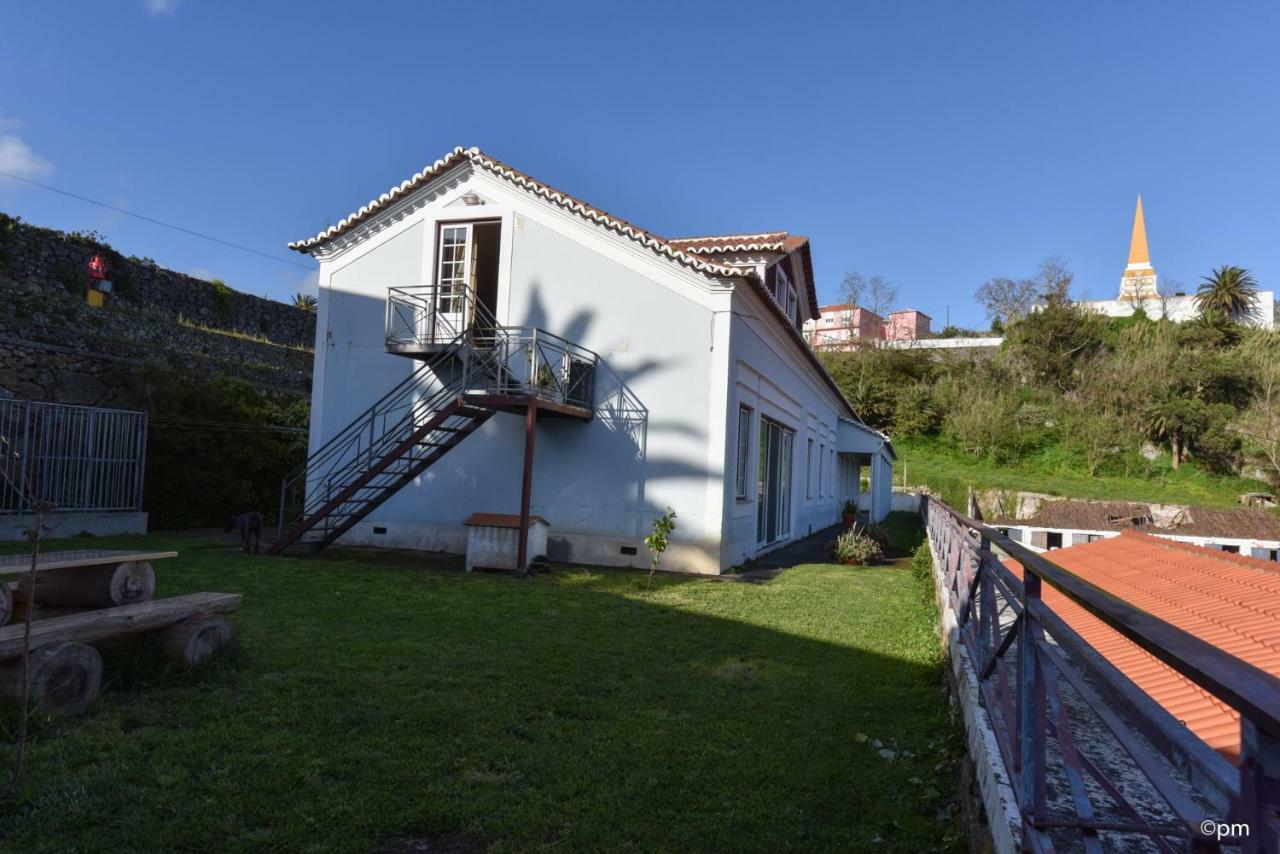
(626, 419)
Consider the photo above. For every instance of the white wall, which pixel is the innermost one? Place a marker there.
(600, 484)
(771, 374)
(1181, 309)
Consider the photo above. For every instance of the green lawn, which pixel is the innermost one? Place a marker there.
(930, 463)
(368, 702)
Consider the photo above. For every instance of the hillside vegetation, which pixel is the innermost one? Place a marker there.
(1082, 405)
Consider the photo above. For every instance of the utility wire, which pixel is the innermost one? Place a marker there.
(155, 221)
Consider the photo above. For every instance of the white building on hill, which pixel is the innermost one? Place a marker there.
(1139, 289)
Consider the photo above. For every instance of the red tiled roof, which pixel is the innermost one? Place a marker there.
(766, 241)
(1224, 599)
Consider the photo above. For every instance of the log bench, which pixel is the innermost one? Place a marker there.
(91, 596)
(89, 578)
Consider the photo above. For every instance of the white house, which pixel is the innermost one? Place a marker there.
(488, 344)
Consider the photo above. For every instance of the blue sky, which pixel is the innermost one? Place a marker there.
(937, 144)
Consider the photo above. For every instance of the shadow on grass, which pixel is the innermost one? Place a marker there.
(377, 703)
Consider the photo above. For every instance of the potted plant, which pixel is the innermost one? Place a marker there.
(849, 513)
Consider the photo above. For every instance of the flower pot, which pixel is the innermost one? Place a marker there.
(848, 519)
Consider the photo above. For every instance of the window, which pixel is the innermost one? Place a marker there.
(808, 472)
(744, 450)
(1235, 550)
(781, 283)
(1053, 540)
(791, 302)
(822, 456)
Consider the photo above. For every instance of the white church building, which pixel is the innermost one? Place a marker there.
(1139, 289)
(489, 347)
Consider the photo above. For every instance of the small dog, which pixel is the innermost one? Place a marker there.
(249, 525)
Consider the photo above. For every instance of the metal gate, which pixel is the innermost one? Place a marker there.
(79, 458)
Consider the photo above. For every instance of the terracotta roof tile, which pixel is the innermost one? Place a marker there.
(1230, 601)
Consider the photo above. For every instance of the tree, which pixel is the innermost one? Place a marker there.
(306, 302)
(1006, 300)
(1230, 290)
(1259, 424)
(874, 293)
(657, 541)
(1052, 281)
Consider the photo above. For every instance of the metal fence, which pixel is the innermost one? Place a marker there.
(79, 458)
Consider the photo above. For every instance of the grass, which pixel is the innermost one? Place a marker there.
(373, 701)
(943, 469)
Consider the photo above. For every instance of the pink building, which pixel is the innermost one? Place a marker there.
(907, 325)
(842, 326)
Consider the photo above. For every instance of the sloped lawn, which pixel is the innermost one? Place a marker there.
(372, 705)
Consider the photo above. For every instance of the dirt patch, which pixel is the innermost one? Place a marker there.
(449, 843)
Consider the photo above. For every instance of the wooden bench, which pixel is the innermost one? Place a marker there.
(85, 597)
(89, 578)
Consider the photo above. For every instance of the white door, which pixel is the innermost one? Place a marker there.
(454, 281)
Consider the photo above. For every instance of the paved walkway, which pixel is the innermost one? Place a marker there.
(810, 549)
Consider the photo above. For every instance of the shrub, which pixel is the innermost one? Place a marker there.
(854, 547)
(224, 301)
(922, 571)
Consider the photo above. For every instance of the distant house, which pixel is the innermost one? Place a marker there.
(843, 327)
(907, 324)
(1059, 524)
(1226, 600)
(489, 344)
(847, 327)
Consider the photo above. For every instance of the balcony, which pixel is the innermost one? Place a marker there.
(503, 367)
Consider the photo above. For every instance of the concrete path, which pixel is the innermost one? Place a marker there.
(810, 549)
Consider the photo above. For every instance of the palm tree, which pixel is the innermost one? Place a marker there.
(1230, 290)
(306, 302)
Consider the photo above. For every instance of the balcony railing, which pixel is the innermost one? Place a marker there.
(1041, 684)
(501, 360)
(420, 317)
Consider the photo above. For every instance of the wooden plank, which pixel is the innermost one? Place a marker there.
(92, 626)
(19, 563)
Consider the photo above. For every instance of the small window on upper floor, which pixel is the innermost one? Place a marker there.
(792, 304)
(781, 284)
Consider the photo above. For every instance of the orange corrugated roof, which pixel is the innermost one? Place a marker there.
(1230, 601)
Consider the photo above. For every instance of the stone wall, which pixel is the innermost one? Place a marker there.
(43, 261)
(54, 346)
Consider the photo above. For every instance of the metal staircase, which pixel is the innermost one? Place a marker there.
(466, 376)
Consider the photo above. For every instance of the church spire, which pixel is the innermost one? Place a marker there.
(1138, 253)
(1139, 280)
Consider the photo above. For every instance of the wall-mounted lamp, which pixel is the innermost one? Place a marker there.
(471, 200)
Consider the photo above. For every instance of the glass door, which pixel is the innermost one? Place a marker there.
(773, 482)
(453, 281)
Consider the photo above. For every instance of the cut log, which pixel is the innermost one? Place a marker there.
(65, 677)
(100, 586)
(93, 626)
(195, 639)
